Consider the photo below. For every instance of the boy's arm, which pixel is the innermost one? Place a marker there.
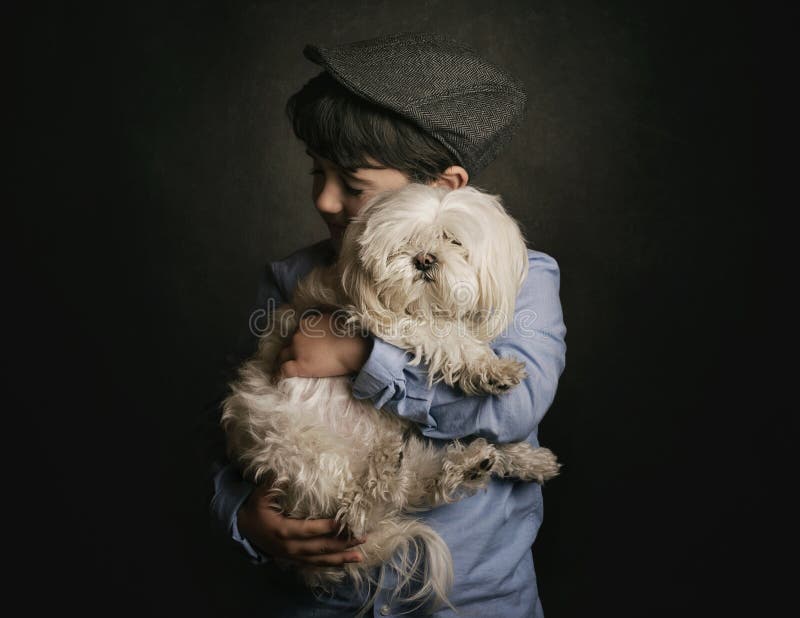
(535, 336)
(230, 490)
(241, 507)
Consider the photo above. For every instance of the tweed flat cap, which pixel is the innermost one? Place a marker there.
(442, 85)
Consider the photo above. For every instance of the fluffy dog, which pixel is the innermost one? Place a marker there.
(435, 272)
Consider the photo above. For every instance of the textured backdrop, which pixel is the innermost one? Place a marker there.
(157, 173)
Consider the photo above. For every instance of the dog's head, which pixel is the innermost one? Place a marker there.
(430, 251)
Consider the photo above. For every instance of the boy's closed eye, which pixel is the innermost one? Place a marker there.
(348, 188)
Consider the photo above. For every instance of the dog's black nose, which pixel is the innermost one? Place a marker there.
(424, 261)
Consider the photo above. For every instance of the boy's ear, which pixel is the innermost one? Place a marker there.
(454, 177)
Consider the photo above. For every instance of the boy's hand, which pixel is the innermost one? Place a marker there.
(320, 350)
(306, 541)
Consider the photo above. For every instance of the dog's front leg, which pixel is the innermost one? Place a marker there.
(488, 373)
(464, 360)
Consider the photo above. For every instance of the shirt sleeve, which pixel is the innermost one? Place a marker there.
(230, 490)
(535, 336)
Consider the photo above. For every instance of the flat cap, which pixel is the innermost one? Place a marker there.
(442, 85)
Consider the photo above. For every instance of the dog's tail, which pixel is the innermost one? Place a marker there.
(418, 570)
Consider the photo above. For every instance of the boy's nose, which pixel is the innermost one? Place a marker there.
(329, 199)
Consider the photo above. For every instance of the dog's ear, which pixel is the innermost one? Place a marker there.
(356, 281)
(501, 261)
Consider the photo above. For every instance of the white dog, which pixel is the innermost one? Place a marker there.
(435, 272)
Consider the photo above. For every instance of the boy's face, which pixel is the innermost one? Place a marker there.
(339, 195)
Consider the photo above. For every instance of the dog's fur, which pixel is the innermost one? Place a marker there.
(328, 454)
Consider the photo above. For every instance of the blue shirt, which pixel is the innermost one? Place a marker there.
(489, 534)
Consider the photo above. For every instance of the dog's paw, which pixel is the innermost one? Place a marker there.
(497, 378)
(481, 470)
(521, 460)
(474, 462)
(545, 466)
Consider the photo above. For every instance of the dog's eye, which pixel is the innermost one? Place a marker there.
(455, 242)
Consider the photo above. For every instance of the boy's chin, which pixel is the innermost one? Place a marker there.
(336, 233)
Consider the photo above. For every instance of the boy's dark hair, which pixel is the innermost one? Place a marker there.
(346, 129)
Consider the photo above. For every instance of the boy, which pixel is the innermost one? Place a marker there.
(411, 107)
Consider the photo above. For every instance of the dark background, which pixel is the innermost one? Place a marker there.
(155, 174)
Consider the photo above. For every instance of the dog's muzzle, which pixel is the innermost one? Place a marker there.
(424, 261)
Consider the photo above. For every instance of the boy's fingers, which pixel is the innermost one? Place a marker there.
(308, 528)
(333, 559)
(290, 369)
(325, 545)
(286, 354)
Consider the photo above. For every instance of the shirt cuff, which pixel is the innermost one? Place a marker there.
(382, 374)
(256, 557)
(230, 492)
(392, 384)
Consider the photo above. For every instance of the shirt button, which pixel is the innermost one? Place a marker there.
(385, 610)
